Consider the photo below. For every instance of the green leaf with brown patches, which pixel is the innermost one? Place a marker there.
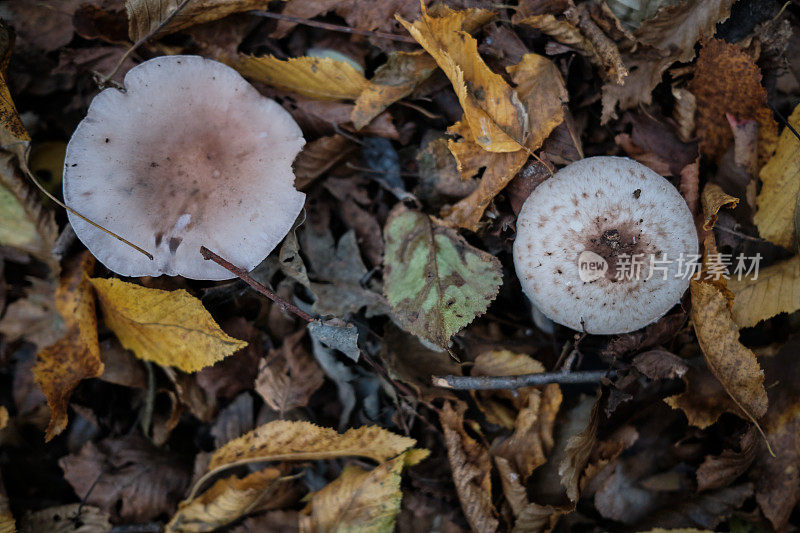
(435, 281)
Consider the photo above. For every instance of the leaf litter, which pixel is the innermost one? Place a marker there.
(308, 404)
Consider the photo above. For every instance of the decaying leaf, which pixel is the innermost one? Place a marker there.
(775, 290)
(704, 399)
(470, 464)
(289, 375)
(61, 366)
(734, 365)
(318, 156)
(285, 440)
(714, 199)
(69, 518)
(496, 117)
(358, 500)
(723, 469)
(145, 16)
(227, 500)
(435, 281)
(315, 77)
(171, 328)
(392, 81)
(726, 80)
(778, 197)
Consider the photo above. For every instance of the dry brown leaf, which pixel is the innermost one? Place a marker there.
(285, 440)
(714, 199)
(563, 32)
(358, 500)
(318, 156)
(645, 69)
(727, 80)
(289, 375)
(733, 364)
(171, 328)
(128, 478)
(322, 78)
(3, 417)
(69, 518)
(690, 184)
(392, 81)
(227, 500)
(577, 452)
(776, 202)
(776, 290)
(496, 118)
(471, 466)
(61, 366)
(34, 317)
(145, 16)
(723, 469)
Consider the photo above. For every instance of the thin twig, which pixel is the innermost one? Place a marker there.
(333, 27)
(522, 380)
(104, 81)
(261, 289)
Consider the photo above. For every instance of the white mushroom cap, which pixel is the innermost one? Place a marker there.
(189, 155)
(604, 210)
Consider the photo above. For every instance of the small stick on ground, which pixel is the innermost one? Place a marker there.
(522, 380)
(259, 288)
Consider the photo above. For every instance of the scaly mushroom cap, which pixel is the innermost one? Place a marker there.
(189, 155)
(612, 212)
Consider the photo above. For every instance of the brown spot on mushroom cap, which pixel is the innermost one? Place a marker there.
(191, 163)
(613, 223)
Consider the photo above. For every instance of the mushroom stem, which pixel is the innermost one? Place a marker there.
(259, 288)
(521, 380)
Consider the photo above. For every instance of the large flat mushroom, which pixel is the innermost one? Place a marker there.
(581, 234)
(189, 155)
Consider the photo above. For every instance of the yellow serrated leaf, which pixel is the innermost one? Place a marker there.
(227, 500)
(171, 328)
(496, 117)
(778, 198)
(287, 440)
(315, 77)
(358, 500)
(776, 290)
(60, 367)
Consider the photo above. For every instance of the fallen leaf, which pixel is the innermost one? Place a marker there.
(660, 364)
(439, 178)
(171, 328)
(319, 156)
(775, 290)
(562, 31)
(315, 77)
(227, 500)
(337, 335)
(235, 373)
(471, 465)
(714, 199)
(435, 281)
(393, 81)
(704, 399)
(41, 27)
(496, 117)
(286, 440)
(145, 16)
(577, 452)
(128, 478)
(734, 365)
(358, 500)
(60, 367)
(34, 317)
(3, 416)
(727, 80)
(69, 518)
(289, 375)
(781, 187)
(721, 470)
(645, 70)
(707, 510)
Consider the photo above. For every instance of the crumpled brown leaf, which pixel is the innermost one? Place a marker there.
(128, 478)
(471, 466)
(727, 80)
(721, 470)
(289, 375)
(60, 367)
(318, 156)
(145, 16)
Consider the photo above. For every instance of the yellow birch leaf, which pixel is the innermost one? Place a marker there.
(323, 78)
(60, 367)
(775, 290)
(290, 441)
(778, 197)
(227, 500)
(171, 328)
(496, 117)
(541, 89)
(145, 16)
(358, 500)
(732, 363)
(714, 199)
